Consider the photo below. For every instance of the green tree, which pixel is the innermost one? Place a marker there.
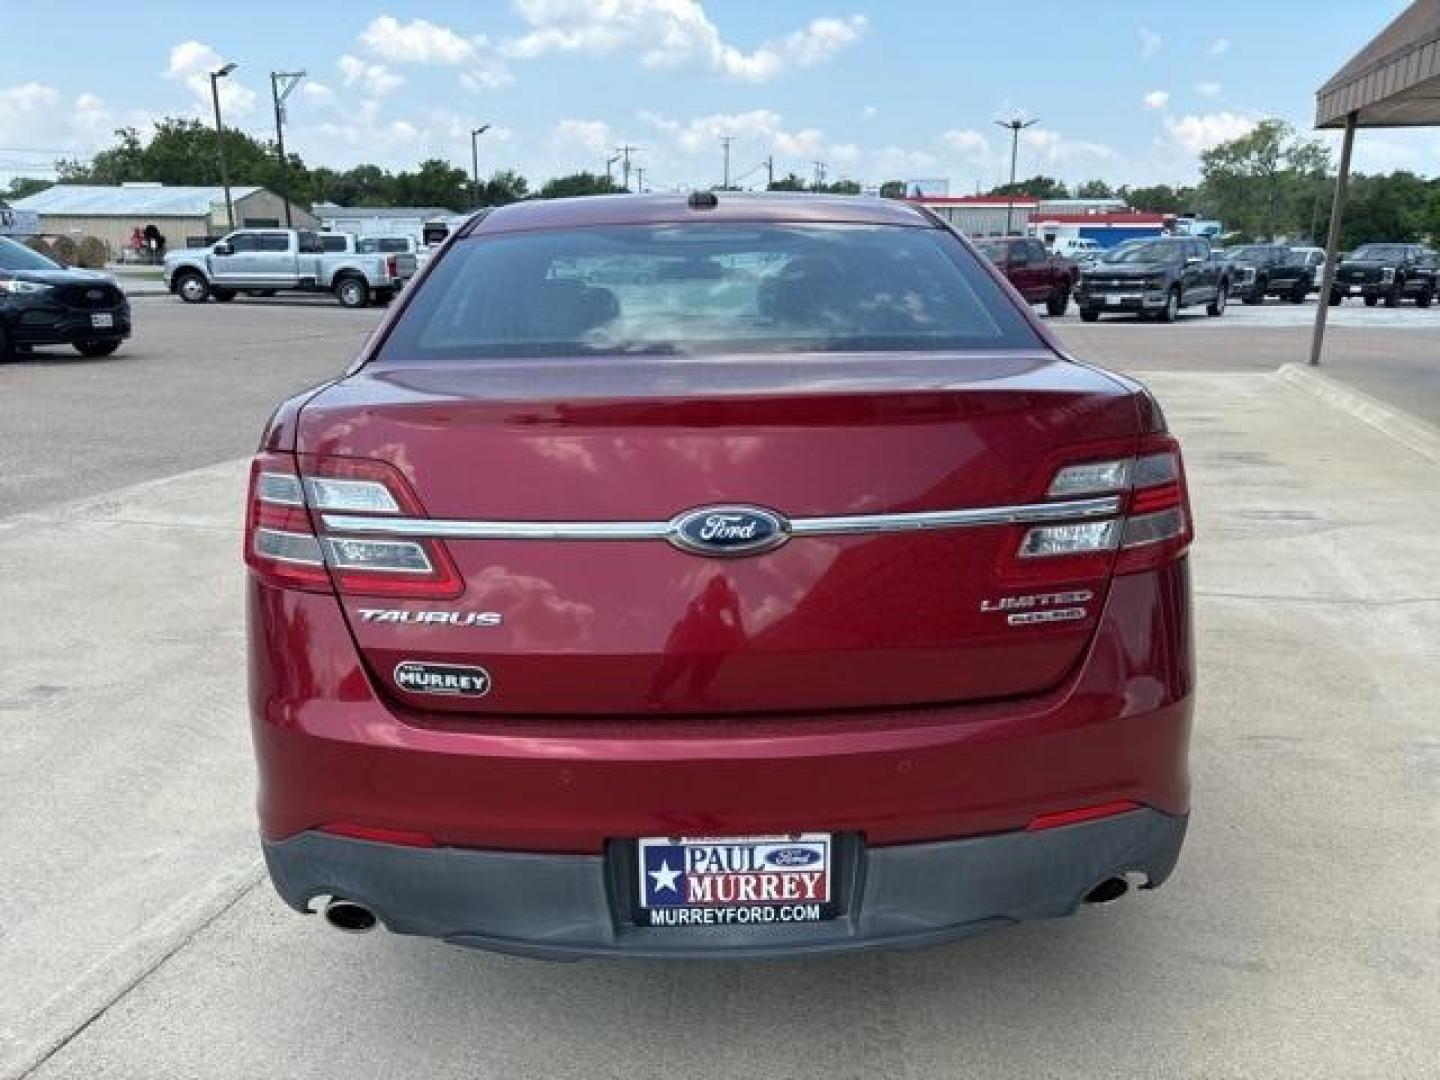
(23, 186)
(1160, 198)
(1094, 189)
(581, 183)
(1398, 207)
(505, 186)
(789, 182)
(1037, 187)
(434, 183)
(841, 187)
(892, 189)
(1263, 183)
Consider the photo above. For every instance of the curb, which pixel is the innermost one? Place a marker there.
(1409, 431)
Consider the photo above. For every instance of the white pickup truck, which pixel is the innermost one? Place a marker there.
(265, 261)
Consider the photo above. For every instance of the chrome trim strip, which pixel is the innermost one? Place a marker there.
(843, 525)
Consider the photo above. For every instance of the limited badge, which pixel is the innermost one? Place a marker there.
(451, 680)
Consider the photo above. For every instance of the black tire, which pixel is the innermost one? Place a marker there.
(1425, 298)
(1298, 293)
(1171, 311)
(384, 296)
(352, 291)
(222, 296)
(1253, 297)
(1216, 307)
(1372, 300)
(7, 351)
(191, 286)
(1392, 298)
(1088, 314)
(1058, 300)
(97, 348)
(1335, 299)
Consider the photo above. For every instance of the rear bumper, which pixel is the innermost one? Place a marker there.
(571, 906)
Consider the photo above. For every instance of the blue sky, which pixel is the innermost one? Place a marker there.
(1123, 91)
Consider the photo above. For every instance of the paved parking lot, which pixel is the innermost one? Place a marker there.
(1297, 938)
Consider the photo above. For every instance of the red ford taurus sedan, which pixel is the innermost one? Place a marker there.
(723, 575)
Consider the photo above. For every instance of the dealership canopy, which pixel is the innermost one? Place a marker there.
(1392, 82)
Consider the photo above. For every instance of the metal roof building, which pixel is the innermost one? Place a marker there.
(113, 212)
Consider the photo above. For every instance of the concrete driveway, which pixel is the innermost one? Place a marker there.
(1297, 939)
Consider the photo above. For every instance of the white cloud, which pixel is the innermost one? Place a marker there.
(1220, 46)
(1157, 99)
(1197, 133)
(36, 114)
(671, 33)
(487, 73)
(317, 92)
(416, 42)
(1056, 149)
(1208, 89)
(376, 80)
(593, 135)
(966, 141)
(191, 62)
(1150, 43)
(869, 112)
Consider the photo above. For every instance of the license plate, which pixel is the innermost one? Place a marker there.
(735, 881)
(1356, 289)
(102, 322)
(1114, 299)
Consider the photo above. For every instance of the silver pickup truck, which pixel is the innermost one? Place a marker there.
(265, 261)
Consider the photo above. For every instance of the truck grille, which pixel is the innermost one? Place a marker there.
(99, 296)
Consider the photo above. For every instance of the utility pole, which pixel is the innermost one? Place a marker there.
(725, 141)
(819, 174)
(625, 152)
(475, 134)
(769, 172)
(609, 173)
(281, 85)
(639, 180)
(1015, 126)
(215, 77)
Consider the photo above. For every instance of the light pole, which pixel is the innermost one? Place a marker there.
(475, 134)
(610, 170)
(281, 84)
(725, 141)
(1016, 125)
(215, 77)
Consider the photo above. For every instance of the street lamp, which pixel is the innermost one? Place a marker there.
(1015, 125)
(215, 77)
(281, 85)
(475, 134)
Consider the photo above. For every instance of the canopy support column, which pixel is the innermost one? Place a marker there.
(1332, 241)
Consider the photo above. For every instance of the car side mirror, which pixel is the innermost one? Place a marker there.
(223, 249)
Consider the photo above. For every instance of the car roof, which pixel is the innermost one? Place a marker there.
(729, 206)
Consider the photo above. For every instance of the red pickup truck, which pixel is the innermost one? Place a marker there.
(1042, 278)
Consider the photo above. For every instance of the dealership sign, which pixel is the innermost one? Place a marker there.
(18, 222)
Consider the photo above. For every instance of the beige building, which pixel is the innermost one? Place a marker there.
(184, 215)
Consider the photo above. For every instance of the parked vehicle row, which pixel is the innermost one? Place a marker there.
(1261, 270)
(44, 303)
(1387, 273)
(1154, 278)
(266, 261)
(1039, 276)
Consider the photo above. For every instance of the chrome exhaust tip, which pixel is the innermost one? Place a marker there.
(349, 916)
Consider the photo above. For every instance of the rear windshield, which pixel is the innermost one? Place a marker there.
(383, 244)
(706, 288)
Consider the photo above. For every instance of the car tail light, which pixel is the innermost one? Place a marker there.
(1156, 524)
(392, 267)
(284, 546)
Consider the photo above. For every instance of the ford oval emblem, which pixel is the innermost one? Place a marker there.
(728, 530)
(793, 856)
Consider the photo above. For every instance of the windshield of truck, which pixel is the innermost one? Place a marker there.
(1143, 251)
